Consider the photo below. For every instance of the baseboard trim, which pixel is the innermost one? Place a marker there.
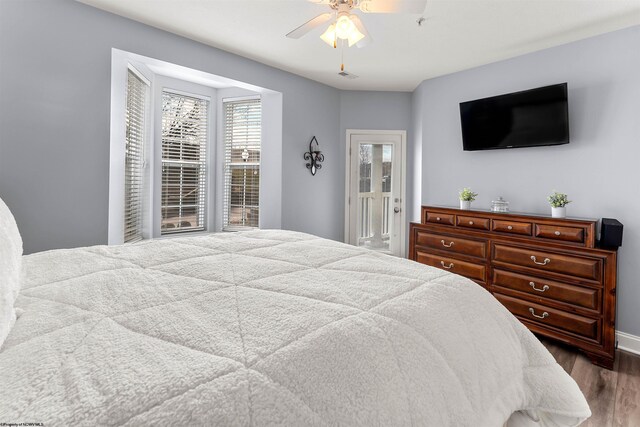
(628, 342)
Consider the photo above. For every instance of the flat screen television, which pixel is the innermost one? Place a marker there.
(529, 118)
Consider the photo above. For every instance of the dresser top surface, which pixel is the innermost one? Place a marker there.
(507, 214)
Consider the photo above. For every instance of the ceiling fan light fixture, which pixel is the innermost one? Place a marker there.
(355, 35)
(344, 28)
(329, 36)
(355, 38)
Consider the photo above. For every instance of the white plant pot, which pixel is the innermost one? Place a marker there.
(465, 204)
(558, 212)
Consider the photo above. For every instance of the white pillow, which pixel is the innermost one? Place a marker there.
(10, 269)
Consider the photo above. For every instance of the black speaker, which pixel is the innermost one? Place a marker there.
(611, 233)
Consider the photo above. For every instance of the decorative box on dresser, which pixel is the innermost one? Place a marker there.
(547, 271)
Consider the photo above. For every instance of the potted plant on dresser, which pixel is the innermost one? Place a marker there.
(466, 197)
(558, 202)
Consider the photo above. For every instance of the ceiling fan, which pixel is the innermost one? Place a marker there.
(348, 26)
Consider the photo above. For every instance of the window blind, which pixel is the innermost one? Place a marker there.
(134, 157)
(242, 140)
(184, 155)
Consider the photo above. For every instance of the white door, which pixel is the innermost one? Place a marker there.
(375, 189)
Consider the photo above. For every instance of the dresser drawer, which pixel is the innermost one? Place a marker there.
(564, 234)
(551, 289)
(588, 268)
(512, 227)
(440, 218)
(477, 223)
(574, 323)
(457, 245)
(464, 268)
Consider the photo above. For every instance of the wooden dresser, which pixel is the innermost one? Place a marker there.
(546, 271)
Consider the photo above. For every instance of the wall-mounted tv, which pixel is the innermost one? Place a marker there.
(529, 118)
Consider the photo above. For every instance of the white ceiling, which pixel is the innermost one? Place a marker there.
(457, 34)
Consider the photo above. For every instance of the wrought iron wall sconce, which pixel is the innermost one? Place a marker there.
(314, 156)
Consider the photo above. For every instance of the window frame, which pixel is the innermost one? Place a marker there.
(194, 90)
(207, 164)
(223, 164)
(139, 234)
(120, 67)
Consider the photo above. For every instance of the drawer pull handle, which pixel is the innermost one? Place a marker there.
(445, 245)
(437, 218)
(470, 222)
(557, 233)
(509, 227)
(533, 313)
(448, 267)
(545, 262)
(544, 288)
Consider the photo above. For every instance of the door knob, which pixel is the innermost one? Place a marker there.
(396, 210)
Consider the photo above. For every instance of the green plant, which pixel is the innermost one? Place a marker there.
(467, 195)
(558, 200)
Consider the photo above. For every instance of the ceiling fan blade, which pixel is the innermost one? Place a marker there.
(360, 26)
(310, 25)
(393, 6)
(321, 1)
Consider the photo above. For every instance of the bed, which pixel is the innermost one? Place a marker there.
(268, 328)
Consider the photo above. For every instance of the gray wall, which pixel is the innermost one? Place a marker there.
(54, 120)
(374, 110)
(598, 169)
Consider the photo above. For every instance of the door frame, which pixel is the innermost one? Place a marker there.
(403, 184)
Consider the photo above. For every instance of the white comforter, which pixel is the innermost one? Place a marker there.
(268, 328)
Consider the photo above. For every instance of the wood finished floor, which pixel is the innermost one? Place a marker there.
(614, 396)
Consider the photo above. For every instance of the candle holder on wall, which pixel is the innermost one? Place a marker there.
(314, 156)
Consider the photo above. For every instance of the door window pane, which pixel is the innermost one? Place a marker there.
(374, 196)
